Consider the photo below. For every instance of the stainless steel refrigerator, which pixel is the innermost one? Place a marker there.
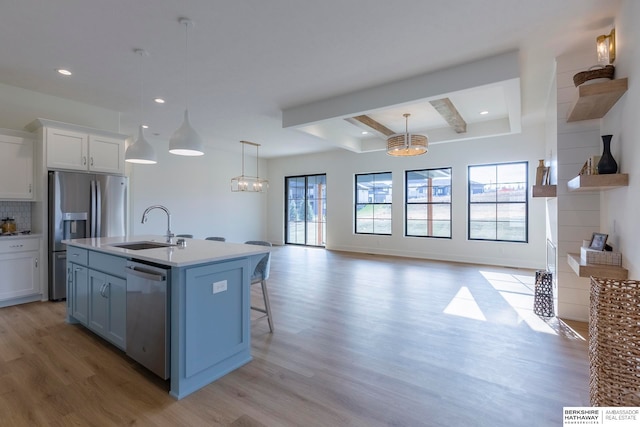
(81, 205)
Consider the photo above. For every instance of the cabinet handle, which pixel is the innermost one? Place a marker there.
(36, 262)
(15, 246)
(91, 161)
(29, 188)
(84, 160)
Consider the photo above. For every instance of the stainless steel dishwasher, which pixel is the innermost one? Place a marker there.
(148, 316)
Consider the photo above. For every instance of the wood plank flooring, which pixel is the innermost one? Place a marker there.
(360, 340)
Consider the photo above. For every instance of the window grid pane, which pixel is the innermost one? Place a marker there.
(373, 195)
(428, 203)
(498, 202)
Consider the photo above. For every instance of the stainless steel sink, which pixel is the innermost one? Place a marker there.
(137, 246)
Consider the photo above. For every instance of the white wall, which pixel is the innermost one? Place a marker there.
(340, 167)
(620, 207)
(197, 192)
(19, 107)
(578, 213)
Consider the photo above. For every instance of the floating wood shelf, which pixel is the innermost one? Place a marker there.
(583, 269)
(598, 182)
(594, 100)
(544, 190)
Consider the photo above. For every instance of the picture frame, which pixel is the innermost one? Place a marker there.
(598, 241)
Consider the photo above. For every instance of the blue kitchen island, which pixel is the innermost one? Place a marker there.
(207, 301)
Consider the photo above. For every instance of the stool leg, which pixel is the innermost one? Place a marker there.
(267, 306)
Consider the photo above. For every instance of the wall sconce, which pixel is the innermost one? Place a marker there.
(606, 48)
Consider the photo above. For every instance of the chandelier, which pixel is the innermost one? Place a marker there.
(248, 183)
(407, 144)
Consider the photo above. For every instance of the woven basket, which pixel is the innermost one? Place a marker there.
(596, 73)
(614, 343)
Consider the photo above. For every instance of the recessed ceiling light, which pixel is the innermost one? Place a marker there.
(63, 72)
(159, 100)
(145, 126)
(484, 113)
(364, 132)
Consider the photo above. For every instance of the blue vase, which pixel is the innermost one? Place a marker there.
(607, 163)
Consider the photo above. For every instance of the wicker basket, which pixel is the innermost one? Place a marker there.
(614, 342)
(594, 73)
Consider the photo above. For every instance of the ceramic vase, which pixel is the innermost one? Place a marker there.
(607, 164)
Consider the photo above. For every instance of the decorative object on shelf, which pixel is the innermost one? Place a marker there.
(540, 172)
(607, 163)
(598, 241)
(595, 74)
(606, 257)
(253, 184)
(614, 371)
(543, 295)
(407, 144)
(141, 151)
(185, 141)
(606, 48)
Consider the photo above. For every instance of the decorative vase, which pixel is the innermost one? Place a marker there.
(540, 172)
(607, 164)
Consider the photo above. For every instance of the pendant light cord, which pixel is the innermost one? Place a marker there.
(186, 63)
(141, 87)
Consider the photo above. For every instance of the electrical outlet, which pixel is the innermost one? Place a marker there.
(219, 286)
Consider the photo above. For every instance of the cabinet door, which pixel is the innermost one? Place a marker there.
(117, 311)
(16, 168)
(67, 149)
(106, 154)
(97, 302)
(107, 307)
(79, 284)
(19, 277)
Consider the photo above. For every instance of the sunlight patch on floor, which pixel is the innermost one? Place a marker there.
(464, 305)
(518, 291)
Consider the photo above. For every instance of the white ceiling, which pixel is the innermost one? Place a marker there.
(251, 59)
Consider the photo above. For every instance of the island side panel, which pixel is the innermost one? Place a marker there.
(210, 333)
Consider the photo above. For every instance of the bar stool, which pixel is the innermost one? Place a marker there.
(216, 238)
(260, 275)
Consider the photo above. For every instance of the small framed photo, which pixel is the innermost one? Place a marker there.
(598, 241)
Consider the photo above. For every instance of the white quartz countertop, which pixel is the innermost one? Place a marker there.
(196, 252)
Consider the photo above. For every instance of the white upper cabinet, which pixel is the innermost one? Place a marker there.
(106, 154)
(85, 152)
(72, 147)
(67, 149)
(16, 168)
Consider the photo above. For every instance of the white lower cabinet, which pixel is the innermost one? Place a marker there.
(19, 269)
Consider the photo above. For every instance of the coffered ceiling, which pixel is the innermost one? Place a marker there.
(292, 75)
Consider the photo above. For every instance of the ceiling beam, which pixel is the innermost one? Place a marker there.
(450, 113)
(377, 126)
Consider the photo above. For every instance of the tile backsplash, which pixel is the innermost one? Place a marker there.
(21, 211)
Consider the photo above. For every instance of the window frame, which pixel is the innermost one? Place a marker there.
(374, 203)
(499, 203)
(407, 203)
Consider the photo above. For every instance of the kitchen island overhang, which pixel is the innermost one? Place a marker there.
(209, 302)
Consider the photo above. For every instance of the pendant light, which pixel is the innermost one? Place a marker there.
(248, 183)
(407, 144)
(185, 141)
(141, 151)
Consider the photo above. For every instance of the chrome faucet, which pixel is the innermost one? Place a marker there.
(150, 208)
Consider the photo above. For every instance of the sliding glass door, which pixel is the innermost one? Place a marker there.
(306, 207)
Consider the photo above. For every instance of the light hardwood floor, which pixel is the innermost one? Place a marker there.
(360, 340)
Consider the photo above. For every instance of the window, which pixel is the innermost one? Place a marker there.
(428, 203)
(306, 207)
(498, 202)
(373, 203)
